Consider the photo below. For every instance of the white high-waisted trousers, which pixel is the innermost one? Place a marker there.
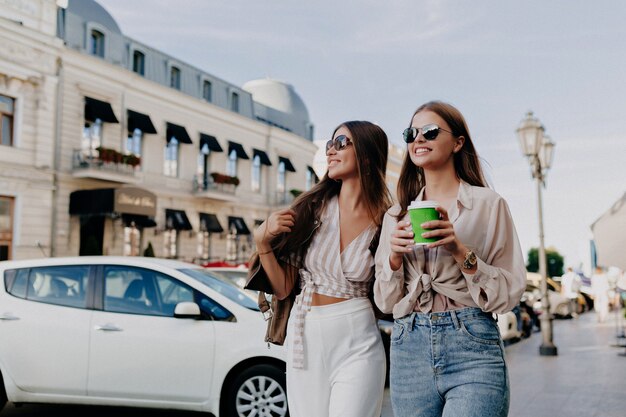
(344, 364)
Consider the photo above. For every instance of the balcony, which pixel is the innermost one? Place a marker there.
(216, 187)
(107, 165)
(285, 198)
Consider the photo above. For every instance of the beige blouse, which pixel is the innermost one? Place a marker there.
(482, 221)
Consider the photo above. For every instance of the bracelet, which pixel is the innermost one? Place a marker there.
(265, 253)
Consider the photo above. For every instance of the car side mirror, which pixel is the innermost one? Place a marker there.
(187, 310)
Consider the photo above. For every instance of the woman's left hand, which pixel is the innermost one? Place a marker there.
(443, 229)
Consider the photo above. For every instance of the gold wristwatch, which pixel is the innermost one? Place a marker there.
(470, 260)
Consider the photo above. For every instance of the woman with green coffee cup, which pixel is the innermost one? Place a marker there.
(444, 278)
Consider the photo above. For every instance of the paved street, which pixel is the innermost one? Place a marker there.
(586, 379)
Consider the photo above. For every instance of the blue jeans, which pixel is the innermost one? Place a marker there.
(448, 364)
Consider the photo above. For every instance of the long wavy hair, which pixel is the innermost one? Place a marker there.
(466, 162)
(371, 147)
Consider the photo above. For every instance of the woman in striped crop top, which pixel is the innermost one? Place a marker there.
(447, 357)
(335, 356)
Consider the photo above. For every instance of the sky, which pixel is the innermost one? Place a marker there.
(379, 60)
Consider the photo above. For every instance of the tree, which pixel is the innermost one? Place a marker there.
(554, 262)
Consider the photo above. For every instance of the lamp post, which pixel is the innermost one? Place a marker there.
(539, 150)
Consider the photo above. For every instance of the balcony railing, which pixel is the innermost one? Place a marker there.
(85, 165)
(210, 189)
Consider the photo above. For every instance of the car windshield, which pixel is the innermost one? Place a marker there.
(223, 286)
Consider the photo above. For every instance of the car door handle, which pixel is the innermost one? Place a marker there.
(8, 317)
(109, 328)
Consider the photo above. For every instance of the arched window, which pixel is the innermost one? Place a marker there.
(96, 43)
(280, 186)
(232, 163)
(207, 90)
(170, 168)
(256, 173)
(139, 62)
(234, 102)
(175, 78)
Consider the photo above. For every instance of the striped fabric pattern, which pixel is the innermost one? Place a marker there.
(328, 272)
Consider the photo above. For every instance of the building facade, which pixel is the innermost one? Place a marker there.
(118, 149)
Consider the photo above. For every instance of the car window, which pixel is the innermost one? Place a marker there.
(62, 285)
(223, 286)
(135, 290)
(16, 282)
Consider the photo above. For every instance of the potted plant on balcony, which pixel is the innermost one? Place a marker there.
(219, 178)
(132, 160)
(295, 192)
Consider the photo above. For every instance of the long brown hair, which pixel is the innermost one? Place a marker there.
(466, 162)
(371, 147)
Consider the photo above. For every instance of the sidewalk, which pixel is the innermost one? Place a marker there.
(586, 379)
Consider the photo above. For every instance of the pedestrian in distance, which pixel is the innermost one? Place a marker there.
(570, 287)
(447, 357)
(600, 290)
(336, 361)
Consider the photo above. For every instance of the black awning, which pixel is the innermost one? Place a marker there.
(107, 201)
(238, 224)
(209, 223)
(258, 222)
(96, 109)
(288, 164)
(139, 220)
(265, 160)
(312, 171)
(178, 132)
(177, 219)
(211, 142)
(139, 121)
(234, 146)
(92, 202)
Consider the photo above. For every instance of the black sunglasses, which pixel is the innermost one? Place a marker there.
(429, 132)
(339, 143)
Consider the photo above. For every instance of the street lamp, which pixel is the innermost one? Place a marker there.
(539, 150)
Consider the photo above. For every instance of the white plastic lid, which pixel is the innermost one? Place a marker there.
(423, 204)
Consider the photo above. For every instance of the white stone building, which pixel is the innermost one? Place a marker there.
(109, 145)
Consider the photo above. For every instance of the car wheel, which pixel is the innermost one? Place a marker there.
(562, 310)
(258, 391)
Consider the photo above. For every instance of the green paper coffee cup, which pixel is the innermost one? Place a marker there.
(422, 212)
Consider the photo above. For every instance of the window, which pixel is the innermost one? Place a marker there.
(170, 243)
(311, 178)
(133, 142)
(207, 90)
(92, 138)
(281, 185)
(142, 291)
(96, 43)
(175, 78)
(132, 240)
(256, 173)
(6, 227)
(232, 163)
(204, 244)
(7, 109)
(234, 102)
(170, 167)
(203, 166)
(139, 62)
(61, 285)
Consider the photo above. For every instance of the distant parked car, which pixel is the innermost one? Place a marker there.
(138, 332)
(508, 326)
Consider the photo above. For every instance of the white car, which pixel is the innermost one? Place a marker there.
(139, 332)
(507, 324)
